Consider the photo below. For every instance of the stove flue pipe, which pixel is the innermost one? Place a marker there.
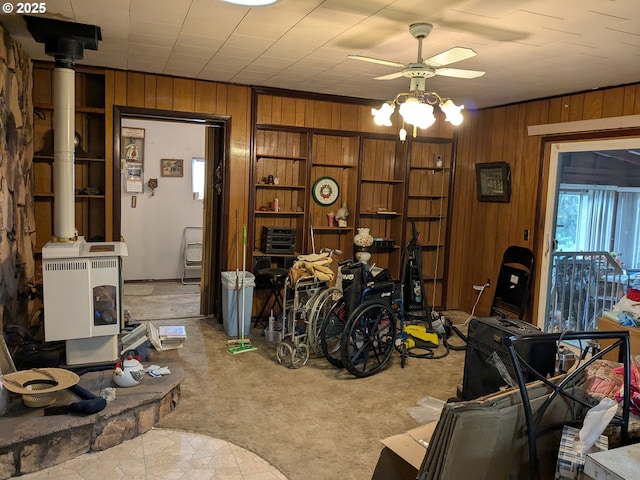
(63, 154)
(66, 42)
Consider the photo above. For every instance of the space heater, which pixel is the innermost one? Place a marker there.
(82, 286)
(82, 282)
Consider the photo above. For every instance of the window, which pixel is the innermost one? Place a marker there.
(570, 204)
(197, 177)
(600, 218)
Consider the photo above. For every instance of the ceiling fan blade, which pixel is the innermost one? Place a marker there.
(377, 60)
(390, 76)
(455, 54)
(458, 73)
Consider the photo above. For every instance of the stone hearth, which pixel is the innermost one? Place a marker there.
(30, 441)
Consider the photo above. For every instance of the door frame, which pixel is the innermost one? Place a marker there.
(553, 148)
(216, 159)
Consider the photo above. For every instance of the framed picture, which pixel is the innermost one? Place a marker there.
(172, 167)
(132, 145)
(493, 181)
(325, 191)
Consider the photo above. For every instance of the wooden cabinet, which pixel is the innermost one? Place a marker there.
(607, 325)
(90, 164)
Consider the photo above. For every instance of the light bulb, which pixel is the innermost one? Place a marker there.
(403, 134)
(382, 115)
(453, 112)
(417, 113)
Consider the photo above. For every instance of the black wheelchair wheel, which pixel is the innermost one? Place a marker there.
(368, 339)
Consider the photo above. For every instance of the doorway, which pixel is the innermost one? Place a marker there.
(213, 255)
(593, 200)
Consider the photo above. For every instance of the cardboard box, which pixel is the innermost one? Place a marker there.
(608, 325)
(166, 337)
(488, 433)
(621, 463)
(402, 454)
(570, 461)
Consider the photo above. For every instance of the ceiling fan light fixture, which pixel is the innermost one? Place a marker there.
(416, 108)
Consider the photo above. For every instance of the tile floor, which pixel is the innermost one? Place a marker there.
(165, 454)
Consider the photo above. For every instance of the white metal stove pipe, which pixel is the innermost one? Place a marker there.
(63, 155)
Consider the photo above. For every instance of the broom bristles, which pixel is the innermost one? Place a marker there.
(241, 349)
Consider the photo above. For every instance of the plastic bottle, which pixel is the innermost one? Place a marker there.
(437, 323)
(438, 326)
(271, 322)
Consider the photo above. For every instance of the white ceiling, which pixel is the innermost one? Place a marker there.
(529, 48)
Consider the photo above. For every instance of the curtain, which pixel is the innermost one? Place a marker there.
(600, 226)
(627, 235)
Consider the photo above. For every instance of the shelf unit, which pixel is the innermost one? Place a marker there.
(335, 156)
(385, 183)
(427, 207)
(90, 164)
(281, 154)
(382, 197)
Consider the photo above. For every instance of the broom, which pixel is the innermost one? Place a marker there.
(243, 347)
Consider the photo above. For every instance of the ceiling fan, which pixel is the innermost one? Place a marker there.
(416, 106)
(426, 68)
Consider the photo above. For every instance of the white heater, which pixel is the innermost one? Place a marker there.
(83, 298)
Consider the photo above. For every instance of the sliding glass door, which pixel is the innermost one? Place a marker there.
(592, 231)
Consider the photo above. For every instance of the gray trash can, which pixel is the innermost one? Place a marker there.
(232, 301)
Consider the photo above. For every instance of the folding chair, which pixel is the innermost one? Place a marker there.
(512, 289)
(191, 254)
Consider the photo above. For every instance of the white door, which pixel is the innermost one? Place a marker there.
(605, 178)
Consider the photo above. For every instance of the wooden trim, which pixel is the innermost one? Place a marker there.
(147, 113)
(591, 125)
(281, 92)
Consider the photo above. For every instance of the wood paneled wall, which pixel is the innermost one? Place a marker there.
(133, 89)
(332, 115)
(482, 231)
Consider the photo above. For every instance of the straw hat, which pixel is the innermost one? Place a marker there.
(39, 385)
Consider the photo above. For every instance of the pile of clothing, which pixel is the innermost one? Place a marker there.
(314, 265)
(627, 310)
